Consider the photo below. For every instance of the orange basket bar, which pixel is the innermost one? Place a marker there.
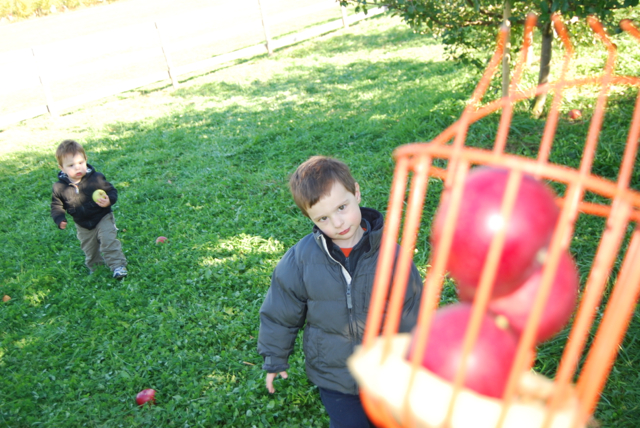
(391, 385)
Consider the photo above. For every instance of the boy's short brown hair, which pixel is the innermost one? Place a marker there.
(69, 147)
(314, 178)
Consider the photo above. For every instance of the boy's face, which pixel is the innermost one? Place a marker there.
(338, 215)
(75, 166)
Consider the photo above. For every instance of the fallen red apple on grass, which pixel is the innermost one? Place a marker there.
(146, 396)
(561, 301)
(575, 114)
(528, 231)
(161, 239)
(489, 363)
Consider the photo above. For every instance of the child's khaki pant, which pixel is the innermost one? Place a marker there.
(102, 239)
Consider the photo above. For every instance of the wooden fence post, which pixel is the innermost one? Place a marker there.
(167, 58)
(45, 84)
(265, 27)
(345, 21)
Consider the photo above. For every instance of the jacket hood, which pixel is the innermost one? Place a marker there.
(374, 218)
(62, 176)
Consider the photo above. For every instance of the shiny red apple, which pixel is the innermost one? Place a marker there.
(146, 396)
(574, 114)
(161, 239)
(490, 360)
(561, 302)
(528, 231)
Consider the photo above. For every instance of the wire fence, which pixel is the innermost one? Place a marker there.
(53, 78)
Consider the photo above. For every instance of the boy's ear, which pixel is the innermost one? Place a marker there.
(357, 192)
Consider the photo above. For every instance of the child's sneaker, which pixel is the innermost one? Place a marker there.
(120, 272)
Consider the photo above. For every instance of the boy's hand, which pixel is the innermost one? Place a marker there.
(271, 377)
(63, 225)
(104, 202)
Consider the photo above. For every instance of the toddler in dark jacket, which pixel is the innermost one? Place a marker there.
(87, 196)
(324, 284)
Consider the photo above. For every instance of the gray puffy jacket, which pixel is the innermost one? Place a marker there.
(310, 288)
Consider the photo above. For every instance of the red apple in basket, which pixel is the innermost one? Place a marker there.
(146, 396)
(561, 302)
(489, 363)
(479, 219)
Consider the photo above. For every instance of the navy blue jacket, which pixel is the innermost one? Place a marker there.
(77, 199)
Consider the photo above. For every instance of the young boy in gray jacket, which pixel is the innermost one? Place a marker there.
(324, 284)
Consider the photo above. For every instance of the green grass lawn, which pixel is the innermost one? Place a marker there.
(207, 166)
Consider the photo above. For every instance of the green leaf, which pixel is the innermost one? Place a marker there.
(544, 6)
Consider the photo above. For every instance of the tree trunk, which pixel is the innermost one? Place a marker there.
(506, 14)
(545, 64)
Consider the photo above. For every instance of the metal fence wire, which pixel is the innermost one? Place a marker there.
(396, 390)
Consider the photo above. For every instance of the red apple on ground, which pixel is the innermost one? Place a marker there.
(528, 231)
(561, 302)
(161, 239)
(6, 298)
(488, 364)
(574, 114)
(146, 396)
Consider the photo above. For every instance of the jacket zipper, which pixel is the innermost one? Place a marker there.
(347, 277)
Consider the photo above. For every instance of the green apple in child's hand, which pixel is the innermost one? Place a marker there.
(98, 194)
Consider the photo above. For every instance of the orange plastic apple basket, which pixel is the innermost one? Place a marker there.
(397, 392)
